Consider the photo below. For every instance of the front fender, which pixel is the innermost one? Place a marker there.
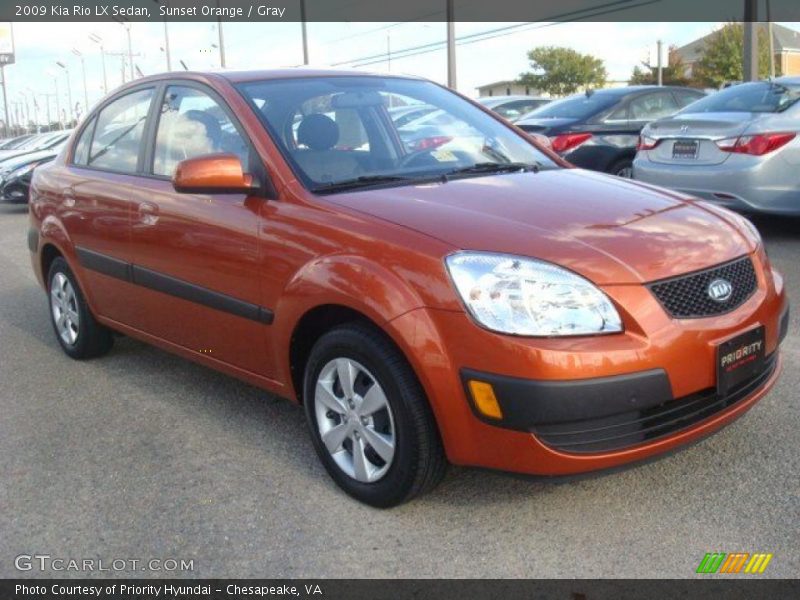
(345, 280)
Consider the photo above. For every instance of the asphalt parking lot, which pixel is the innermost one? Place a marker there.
(143, 455)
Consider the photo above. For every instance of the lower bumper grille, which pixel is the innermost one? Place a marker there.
(635, 427)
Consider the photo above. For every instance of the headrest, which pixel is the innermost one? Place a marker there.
(318, 132)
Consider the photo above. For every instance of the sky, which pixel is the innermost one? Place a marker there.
(268, 45)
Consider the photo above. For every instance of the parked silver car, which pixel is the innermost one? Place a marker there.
(739, 147)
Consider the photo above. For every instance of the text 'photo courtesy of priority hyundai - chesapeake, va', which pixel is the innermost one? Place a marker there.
(267, 272)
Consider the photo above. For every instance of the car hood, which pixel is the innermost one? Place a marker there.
(610, 230)
(8, 165)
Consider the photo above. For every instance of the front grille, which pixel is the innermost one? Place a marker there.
(635, 427)
(686, 297)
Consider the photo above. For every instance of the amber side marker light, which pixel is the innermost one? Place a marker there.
(484, 398)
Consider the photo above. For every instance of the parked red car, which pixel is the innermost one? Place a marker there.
(474, 301)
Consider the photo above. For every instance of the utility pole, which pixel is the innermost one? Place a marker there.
(130, 50)
(389, 52)
(221, 41)
(451, 46)
(659, 46)
(166, 46)
(771, 43)
(303, 26)
(750, 54)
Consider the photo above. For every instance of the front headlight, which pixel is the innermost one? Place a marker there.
(525, 296)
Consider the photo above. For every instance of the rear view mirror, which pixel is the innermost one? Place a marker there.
(213, 174)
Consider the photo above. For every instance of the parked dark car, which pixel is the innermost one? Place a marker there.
(599, 130)
(16, 173)
(15, 142)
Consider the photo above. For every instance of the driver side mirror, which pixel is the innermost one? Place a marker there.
(213, 174)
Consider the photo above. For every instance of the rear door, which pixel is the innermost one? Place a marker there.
(196, 256)
(100, 185)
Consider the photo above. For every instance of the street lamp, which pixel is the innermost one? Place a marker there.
(127, 27)
(79, 54)
(99, 41)
(71, 113)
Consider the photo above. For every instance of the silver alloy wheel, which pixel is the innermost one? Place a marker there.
(626, 172)
(354, 420)
(64, 305)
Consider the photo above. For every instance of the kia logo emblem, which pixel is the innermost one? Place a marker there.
(684, 128)
(720, 290)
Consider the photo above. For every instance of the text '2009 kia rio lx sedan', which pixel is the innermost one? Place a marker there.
(473, 300)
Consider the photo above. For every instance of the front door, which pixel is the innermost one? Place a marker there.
(196, 256)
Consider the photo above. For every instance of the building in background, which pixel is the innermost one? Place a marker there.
(786, 42)
(507, 88)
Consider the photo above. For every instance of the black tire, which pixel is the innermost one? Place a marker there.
(419, 462)
(93, 339)
(620, 166)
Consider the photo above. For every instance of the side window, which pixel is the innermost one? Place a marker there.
(618, 114)
(81, 154)
(118, 133)
(653, 106)
(193, 124)
(685, 98)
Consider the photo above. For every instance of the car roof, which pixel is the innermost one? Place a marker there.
(266, 74)
(791, 79)
(496, 100)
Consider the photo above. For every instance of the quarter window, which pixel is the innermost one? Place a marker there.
(118, 135)
(193, 124)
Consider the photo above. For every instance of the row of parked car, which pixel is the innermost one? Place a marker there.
(737, 147)
(19, 156)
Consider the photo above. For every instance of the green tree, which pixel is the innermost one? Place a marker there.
(561, 71)
(723, 57)
(673, 73)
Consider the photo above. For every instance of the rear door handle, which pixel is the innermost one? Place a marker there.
(148, 213)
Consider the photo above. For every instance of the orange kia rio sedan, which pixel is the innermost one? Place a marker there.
(433, 290)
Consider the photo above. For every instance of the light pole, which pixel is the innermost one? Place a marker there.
(451, 46)
(26, 113)
(71, 112)
(166, 35)
(35, 108)
(305, 35)
(79, 54)
(99, 41)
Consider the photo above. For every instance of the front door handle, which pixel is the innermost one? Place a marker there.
(148, 213)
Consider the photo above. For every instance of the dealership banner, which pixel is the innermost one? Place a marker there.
(377, 589)
(407, 10)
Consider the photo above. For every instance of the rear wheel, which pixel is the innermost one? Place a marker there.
(369, 418)
(622, 168)
(79, 334)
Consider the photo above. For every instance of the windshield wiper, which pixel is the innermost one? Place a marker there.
(492, 167)
(362, 181)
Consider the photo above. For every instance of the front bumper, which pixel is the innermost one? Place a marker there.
(740, 183)
(657, 364)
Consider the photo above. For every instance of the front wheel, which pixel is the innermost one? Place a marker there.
(369, 418)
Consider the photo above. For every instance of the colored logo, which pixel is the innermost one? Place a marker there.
(735, 562)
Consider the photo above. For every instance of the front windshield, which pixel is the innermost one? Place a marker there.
(579, 106)
(336, 130)
(759, 96)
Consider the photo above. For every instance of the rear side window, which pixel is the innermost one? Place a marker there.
(652, 106)
(685, 98)
(81, 154)
(118, 134)
(193, 124)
